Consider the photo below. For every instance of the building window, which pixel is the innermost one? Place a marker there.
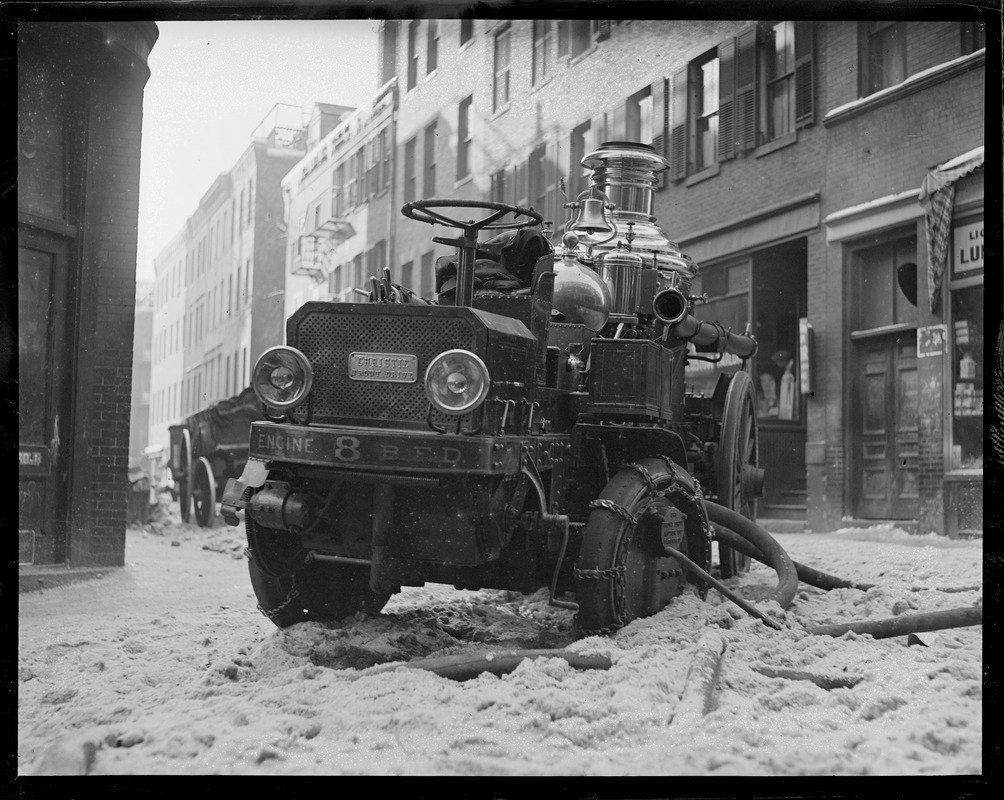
(638, 122)
(373, 169)
(427, 277)
(882, 299)
(578, 145)
(413, 53)
(967, 378)
(464, 138)
(497, 192)
(350, 182)
(429, 164)
(385, 147)
(500, 95)
(409, 171)
(337, 196)
(704, 118)
(542, 35)
(581, 36)
(881, 55)
(407, 278)
(360, 174)
(777, 98)
(974, 37)
(466, 31)
(432, 47)
(388, 66)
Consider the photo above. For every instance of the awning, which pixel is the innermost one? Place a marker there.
(937, 196)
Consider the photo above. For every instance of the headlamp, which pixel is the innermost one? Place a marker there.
(282, 377)
(457, 382)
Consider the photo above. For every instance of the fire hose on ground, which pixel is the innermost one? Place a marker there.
(744, 535)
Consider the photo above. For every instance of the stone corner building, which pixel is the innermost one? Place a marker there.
(80, 102)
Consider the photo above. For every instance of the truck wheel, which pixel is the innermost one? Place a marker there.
(736, 465)
(291, 590)
(622, 572)
(204, 493)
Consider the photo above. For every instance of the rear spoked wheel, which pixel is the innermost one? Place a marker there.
(184, 480)
(291, 589)
(623, 572)
(738, 479)
(203, 493)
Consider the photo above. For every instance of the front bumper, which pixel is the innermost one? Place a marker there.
(352, 451)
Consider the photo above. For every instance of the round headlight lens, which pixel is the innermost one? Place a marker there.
(457, 382)
(282, 377)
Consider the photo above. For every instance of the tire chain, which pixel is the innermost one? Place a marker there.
(618, 572)
(291, 595)
(617, 508)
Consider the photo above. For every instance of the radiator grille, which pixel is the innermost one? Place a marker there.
(327, 339)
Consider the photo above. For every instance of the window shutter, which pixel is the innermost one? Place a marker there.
(549, 211)
(563, 31)
(746, 89)
(726, 99)
(678, 123)
(618, 122)
(804, 84)
(521, 184)
(660, 116)
(598, 129)
(602, 29)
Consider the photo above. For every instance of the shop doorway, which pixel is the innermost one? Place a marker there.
(884, 438)
(887, 442)
(767, 290)
(44, 387)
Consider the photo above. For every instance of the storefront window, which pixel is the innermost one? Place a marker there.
(769, 292)
(967, 378)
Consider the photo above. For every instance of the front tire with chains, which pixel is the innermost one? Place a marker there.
(621, 573)
(290, 589)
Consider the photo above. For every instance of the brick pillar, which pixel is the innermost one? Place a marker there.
(107, 281)
(931, 408)
(817, 485)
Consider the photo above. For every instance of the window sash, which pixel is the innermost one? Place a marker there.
(500, 95)
(464, 138)
(413, 53)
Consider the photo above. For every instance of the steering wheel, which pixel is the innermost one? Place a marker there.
(424, 211)
(467, 243)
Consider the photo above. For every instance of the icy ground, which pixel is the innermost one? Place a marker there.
(166, 666)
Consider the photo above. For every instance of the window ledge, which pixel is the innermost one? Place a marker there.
(538, 86)
(915, 83)
(466, 45)
(884, 330)
(496, 114)
(464, 180)
(573, 60)
(961, 474)
(703, 175)
(777, 144)
(430, 75)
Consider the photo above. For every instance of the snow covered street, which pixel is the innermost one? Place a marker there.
(167, 667)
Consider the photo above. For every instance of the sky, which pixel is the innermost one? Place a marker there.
(212, 83)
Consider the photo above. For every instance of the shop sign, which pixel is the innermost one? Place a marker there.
(931, 340)
(32, 459)
(968, 246)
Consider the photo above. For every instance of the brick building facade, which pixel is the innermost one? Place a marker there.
(80, 100)
(797, 151)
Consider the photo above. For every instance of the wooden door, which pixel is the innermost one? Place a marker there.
(45, 359)
(886, 436)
